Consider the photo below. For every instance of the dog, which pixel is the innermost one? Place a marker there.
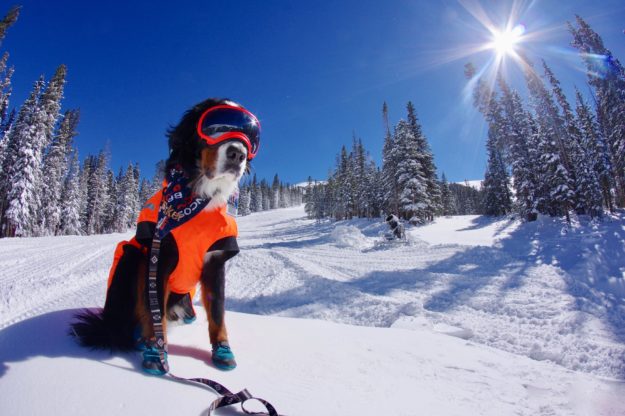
(209, 152)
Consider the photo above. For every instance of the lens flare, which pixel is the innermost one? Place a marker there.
(504, 42)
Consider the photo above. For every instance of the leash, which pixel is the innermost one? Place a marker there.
(168, 218)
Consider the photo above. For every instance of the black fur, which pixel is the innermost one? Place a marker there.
(112, 327)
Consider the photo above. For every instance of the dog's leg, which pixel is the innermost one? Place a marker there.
(213, 296)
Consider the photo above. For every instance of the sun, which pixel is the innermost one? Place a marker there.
(504, 42)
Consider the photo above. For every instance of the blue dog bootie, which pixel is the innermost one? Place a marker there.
(152, 362)
(222, 356)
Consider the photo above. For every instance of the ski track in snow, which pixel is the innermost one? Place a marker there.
(506, 293)
(497, 295)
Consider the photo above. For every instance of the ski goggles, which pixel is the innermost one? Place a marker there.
(228, 122)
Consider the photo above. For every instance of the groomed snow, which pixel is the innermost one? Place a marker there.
(469, 317)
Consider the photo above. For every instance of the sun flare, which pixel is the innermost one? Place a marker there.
(504, 42)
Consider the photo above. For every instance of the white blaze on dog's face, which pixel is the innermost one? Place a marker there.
(221, 168)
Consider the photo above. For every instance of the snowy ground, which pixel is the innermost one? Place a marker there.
(469, 317)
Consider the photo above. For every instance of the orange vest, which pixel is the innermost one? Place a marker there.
(193, 239)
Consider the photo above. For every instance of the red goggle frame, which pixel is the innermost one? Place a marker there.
(227, 122)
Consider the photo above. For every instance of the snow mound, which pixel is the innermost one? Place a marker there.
(348, 236)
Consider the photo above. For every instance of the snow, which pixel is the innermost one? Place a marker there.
(477, 183)
(469, 316)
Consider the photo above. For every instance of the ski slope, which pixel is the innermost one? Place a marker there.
(469, 317)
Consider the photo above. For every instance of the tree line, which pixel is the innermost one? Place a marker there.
(547, 156)
(407, 184)
(255, 196)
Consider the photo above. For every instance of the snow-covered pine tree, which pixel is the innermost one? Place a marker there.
(426, 160)
(343, 202)
(110, 203)
(50, 102)
(497, 199)
(256, 197)
(411, 180)
(5, 93)
(265, 191)
(283, 198)
(55, 165)
(557, 179)
(96, 193)
(522, 153)
(145, 192)
(23, 166)
(70, 195)
(587, 194)
(607, 76)
(85, 172)
(127, 200)
(496, 192)
(244, 201)
(446, 197)
(390, 159)
(596, 149)
(274, 193)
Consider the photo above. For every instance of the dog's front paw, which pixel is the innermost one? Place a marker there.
(152, 362)
(223, 358)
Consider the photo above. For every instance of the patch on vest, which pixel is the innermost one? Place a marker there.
(233, 204)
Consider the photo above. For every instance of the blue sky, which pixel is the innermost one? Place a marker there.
(313, 72)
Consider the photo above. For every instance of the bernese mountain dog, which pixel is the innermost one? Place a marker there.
(209, 151)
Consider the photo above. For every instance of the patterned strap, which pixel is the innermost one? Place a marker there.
(155, 307)
(228, 398)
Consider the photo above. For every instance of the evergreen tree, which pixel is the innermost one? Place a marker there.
(497, 199)
(23, 166)
(390, 159)
(5, 93)
(446, 197)
(607, 76)
(110, 203)
(256, 198)
(596, 150)
(587, 195)
(50, 102)
(274, 193)
(55, 166)
(556, 176)
(127, 200)
(96, 193)
(518, 136)
(70, 195)
(244, 201)
(266, 195)
(411, 180)
(428, 168)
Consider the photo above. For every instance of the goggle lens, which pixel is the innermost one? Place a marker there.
(218, 121)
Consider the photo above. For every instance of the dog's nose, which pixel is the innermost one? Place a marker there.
(235, 154)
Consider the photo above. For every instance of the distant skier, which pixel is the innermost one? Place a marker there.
(397, 229)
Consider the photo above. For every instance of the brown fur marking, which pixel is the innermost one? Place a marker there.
(208, 160)
(216, 332)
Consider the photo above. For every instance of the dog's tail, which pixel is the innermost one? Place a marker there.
(94, 329)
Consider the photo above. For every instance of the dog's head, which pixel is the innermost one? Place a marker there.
(216, 169)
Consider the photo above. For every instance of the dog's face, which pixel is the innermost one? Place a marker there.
(219, 169)
(215, 171)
